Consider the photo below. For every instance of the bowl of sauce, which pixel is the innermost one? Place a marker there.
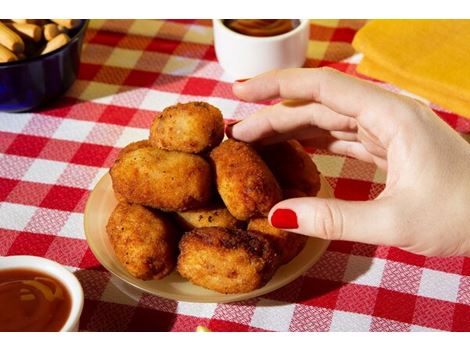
(261, 28)
(248, 47)
(37, 294)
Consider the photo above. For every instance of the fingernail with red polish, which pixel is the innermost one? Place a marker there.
(242, 80)
(284, 219)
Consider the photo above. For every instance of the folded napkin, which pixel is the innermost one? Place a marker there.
(430, 58)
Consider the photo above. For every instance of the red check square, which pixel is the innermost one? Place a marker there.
(466, 267)
(138, 78)
(88, 71)
(461, 318)
(319, 293)
(145, 319)
(402, 256)
(26, 145)
(28, 244)
(162, 45)
(225, 326)
(352, 189)
(395, 305)
(117, 115)
(63, 198)
(91, 154)
(6, 185)
(107, 38)
(199, 86)
(210, 54)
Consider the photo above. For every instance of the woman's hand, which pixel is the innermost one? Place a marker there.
(425, 206)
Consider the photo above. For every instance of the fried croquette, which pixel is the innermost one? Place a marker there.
(215, 216)
(144, 241)
(287, 244)
(227, 260)
(170, 181)
(246, 185)
(292, 166)
(193, 127)
(133, 146)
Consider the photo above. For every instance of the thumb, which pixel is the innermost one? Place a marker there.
(333, 219)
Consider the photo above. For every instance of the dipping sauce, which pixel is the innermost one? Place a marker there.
(32, 301)
(261, 28)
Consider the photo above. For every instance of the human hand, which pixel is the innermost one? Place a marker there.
(425, 206)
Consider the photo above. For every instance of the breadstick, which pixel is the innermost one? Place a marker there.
(67, 23)
(26, 30)
(51, 30)
(10, 40)
(6, 55)
(55, 43)
(37, 22)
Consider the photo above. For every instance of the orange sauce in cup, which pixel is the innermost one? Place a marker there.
(261, 28)
(32, 301)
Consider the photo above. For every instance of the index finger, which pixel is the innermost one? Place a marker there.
(340, 92)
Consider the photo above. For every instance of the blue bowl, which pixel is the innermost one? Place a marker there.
(30, 83)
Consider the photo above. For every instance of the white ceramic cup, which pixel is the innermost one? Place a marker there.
(58, 272)
(243, 56)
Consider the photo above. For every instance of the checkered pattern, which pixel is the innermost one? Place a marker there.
(52, 158)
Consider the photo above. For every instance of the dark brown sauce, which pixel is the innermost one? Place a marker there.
(32, 301)
(261, 28)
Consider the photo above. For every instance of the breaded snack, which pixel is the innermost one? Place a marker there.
(215, 216)
(292, 166)
(287, 244)
(144, 241)
(191, 128)
(170, 181)
(226, 260)
(246, 185)
(133, 146)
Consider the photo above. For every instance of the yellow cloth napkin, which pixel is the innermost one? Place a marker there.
(430, 58)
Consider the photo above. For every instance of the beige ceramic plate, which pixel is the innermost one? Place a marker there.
(101, 203)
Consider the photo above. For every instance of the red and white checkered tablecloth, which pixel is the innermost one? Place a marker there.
(51, 159)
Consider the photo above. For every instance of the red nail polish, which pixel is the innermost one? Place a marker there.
(242, 80)
(284, 219)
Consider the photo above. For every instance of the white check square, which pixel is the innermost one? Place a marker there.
(73, 228)
(439, 285)
(157, 101)
(73, 130)
(417, 328)
(13, 123)
(45, 171)
(364, 270)
(270, 315)
(99, 92)
(15, 216)
(345, 321)
(124, 58)
(200, 310)
(181, 66)
(131, 134)
(226, 106)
